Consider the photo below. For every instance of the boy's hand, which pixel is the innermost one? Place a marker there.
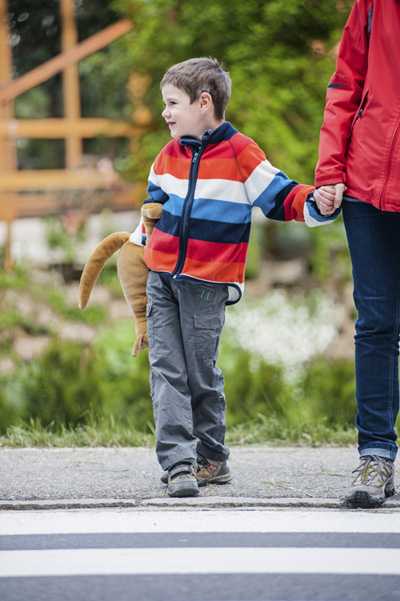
(329, 198)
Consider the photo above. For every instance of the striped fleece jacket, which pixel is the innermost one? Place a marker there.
(208, 189)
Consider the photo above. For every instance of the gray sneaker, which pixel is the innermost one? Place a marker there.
(373, 482)
(182, 481)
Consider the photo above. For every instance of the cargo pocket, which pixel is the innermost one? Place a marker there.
(207, 331)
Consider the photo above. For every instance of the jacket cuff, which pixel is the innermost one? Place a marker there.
(312, 215)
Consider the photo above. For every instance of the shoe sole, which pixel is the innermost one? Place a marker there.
(225, 479)
(184, 492)
(363, 500)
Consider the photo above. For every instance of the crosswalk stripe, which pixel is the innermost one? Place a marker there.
(196, 561)
(133, 540)
(279, 520)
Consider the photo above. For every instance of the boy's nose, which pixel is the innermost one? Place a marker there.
(165, 113)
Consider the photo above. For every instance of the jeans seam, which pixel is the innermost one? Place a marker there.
(394, 363)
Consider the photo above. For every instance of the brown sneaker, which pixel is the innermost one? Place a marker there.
(212, 472)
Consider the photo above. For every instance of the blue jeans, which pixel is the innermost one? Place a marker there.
(374, 243)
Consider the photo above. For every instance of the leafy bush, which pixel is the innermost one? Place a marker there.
(72, 386)
(61, 386)
(253, 386)
(328, 390)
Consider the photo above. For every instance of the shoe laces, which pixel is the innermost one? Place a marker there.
(202, 461)
(205, 467)
(372, 469)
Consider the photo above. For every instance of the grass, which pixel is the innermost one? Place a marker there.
(108, 433)
(273, 431)
(103, 434)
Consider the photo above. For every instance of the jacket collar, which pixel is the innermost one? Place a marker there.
(211, 136)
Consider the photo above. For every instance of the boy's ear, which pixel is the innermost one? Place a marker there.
(205, 99)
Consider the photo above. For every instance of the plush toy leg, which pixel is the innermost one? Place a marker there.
(132, 274)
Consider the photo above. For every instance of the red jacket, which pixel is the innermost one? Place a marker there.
(360, 135)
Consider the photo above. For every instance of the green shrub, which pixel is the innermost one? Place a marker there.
(9, 412)
(72, 384)
(73, 387)
(61, 386)
(327, 388)
(124, 379)
(253, 386)
(17, 278)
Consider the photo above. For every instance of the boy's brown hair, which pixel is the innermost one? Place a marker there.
(197, 75)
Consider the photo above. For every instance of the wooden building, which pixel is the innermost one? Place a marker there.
(26, 193)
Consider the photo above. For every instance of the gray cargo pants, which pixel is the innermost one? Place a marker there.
(185, 320)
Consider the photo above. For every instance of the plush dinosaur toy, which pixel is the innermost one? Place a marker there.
(132, 272)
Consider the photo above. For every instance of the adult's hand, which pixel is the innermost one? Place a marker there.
(339, 191)
(325, 198)
(329, 198)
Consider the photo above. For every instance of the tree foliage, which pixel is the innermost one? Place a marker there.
(279, 54)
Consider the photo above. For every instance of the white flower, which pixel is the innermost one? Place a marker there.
(283, 331)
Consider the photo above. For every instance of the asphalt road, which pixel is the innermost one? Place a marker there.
(259, 472)
(214, 555)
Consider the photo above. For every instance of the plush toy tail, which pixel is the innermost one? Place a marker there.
(95, 264)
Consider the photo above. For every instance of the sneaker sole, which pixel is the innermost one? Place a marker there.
(184, 492)
(364, 500)
(225, 479)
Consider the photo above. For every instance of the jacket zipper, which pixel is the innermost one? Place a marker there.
(389, 163)
(187, 209)
(361, 110)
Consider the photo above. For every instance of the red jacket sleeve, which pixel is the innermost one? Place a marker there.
(344, 95)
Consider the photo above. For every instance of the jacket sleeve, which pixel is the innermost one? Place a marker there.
(154, 186)
(278, 196)
(344, 95)
(155, 193)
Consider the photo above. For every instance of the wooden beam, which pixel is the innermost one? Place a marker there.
(57, 179)
(8, 152)
(60, 62)
(8, 156)
(71, 95)
(60, 128)
(40, 205)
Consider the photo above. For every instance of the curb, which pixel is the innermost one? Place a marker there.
(189, 502)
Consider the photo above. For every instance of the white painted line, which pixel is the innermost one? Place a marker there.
(199, 561)
(281, 520)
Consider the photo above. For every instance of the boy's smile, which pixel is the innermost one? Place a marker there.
(186, 118)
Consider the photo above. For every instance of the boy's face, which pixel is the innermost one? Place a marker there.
(183, 117)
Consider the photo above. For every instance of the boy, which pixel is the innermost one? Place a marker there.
(208, 179)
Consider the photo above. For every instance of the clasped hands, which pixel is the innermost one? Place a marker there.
(329, 198)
